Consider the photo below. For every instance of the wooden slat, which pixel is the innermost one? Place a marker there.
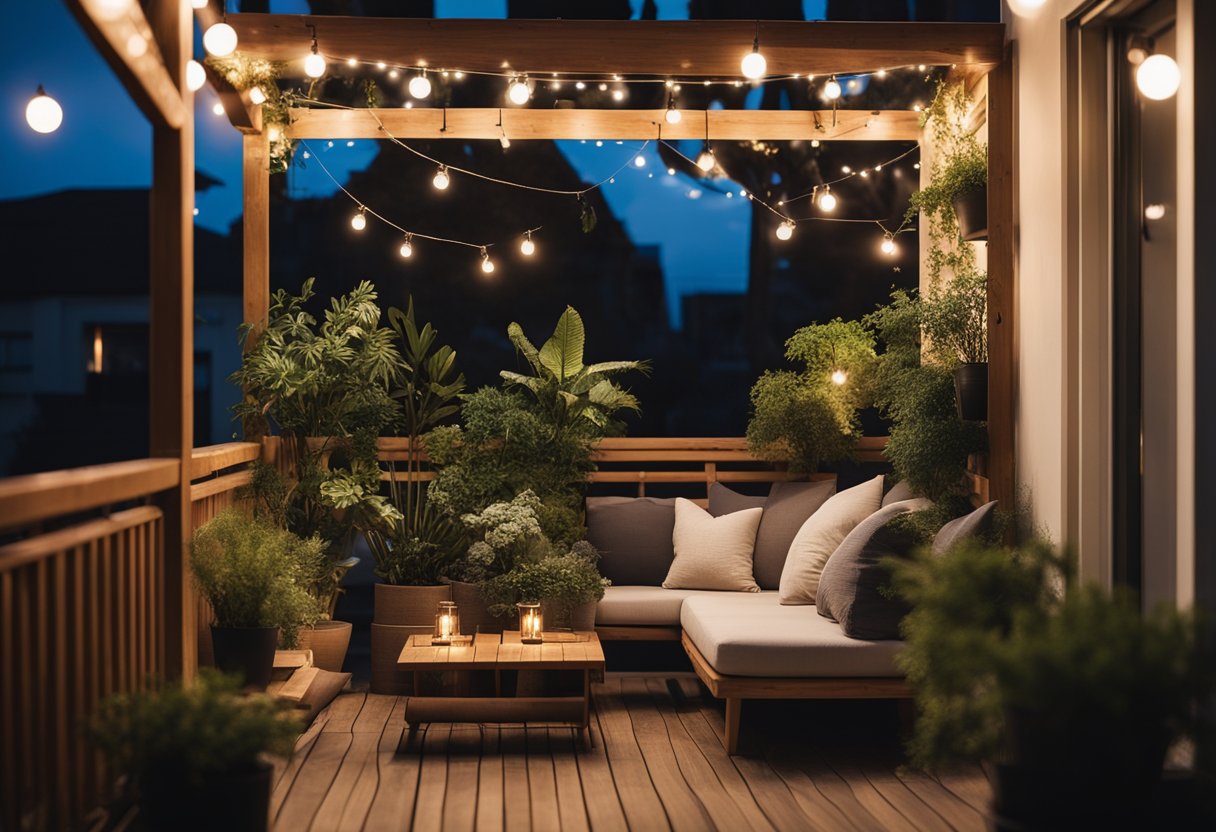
(142, 71)
(35, 497)
(219, 485)
(212, 458)
(40, 547)
(614, 124)
(683, 49)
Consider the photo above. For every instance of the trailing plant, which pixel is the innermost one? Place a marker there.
(187, 734)
(809, 416)
(244, 73)
(561, 581)
(256, 574)
(417, 547)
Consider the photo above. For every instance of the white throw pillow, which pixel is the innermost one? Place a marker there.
(713, 552)
(819, 536)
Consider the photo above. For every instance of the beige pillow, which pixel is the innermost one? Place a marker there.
(820, 535)
(713, 552)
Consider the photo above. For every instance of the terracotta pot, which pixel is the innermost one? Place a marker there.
(474, 612)
(248, 651)
(387, 641)
(971, 208)
(409, 606)
(328, 642)
(238, 801)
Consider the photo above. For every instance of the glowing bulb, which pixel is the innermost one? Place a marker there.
(639, 161)
(831, 90)
(394, 74)
(1154, 211)
(827, 200)
(217, 108)
(888, 246)
(487, 265)
(137, 45)
(43, 113)
(814, 142)
(407, 248)
(441, 180)
(579, 85)
(256, 95)
(1137, 55)
(504, 141)
(618, 95)
(274, 134)
(1158, 77)
(518, 91)
(527, 248)
(754, 65)
(110, 9)
(920, 68)
(673, 115)
(671, 171)
(198, 4)
(314, 66)
(706, 160)
(196, 76)
(882, 73)
(381, 65)
(352, 62)
(839, 377)
(359, 220)
(785, 230)
(220, 40)
(420, 86)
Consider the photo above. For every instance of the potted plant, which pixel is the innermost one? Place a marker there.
(193, 756)
(955, 200)
(254, 576)
(955, 320)
(1073, 693)
(568, 587)
(808, 417)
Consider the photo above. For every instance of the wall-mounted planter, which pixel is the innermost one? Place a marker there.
(971, 208)
(971, 392)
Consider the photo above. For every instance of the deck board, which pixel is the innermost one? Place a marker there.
(656, 761)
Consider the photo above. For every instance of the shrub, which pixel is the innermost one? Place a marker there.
(561, 581)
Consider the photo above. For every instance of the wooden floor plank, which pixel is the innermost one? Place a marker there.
(397, 771)
(639, 800)
(600, 797)
(572, 810)
(542, 786)
(303, 746)
(824, 814)
(358, 806)
(959, 814)
(313, 780)
(433, 779)
(489, 783)
(875, 804)
(970, 785)
(343, 712)
(517, 809)
(464, 758)
(360, 760)
(917, 813)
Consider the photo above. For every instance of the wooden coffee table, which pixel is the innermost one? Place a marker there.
(578, 651)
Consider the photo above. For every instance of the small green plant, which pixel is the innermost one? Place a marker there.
(188, 734)
(955, 319)
(256, 574)
(505, 535)
(809, 416)
(563, 582)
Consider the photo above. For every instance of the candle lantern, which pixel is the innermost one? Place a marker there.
(447, 623)
(531, 623)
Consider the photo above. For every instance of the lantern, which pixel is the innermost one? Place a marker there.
(531, 623)
(447, 623)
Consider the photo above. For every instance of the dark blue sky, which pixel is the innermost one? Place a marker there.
(105, 142)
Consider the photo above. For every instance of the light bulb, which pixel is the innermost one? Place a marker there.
(831, 90)
(754, 65)
(274, 133)
(359, 221)
(1158, 77)
(785, 230)
(827, 200)
(314, 66)
(217, 108)
(420, 86)
(43, 113)
(527, 248)
(110, 9)
(618, 94)
(888, 246)
(504, 141)
(518, 91)
(673, 115)
(256, 95)
(839, 377)
(487, 265)
(441, 180)
(220, 40)
(198, 4)
(407, 248)
(196, 76)
(706, 160)
(639, 161)
(1154, 211)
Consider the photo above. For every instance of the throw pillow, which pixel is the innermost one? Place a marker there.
(899, 492)
(964, 528)
(786, 508)
(634, 538)
(852, 588)
(713, 552)
(819, 536)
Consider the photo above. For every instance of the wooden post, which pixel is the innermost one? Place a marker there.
(171, 350)
(1002, 285)
(256, 172)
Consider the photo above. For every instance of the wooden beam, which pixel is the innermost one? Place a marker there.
(256, 224)
(677, 48)
(128, 44)
(243, 114)
(211, 458)
(483, 123)
(1002, 285)
(171, 347)
(33, 498)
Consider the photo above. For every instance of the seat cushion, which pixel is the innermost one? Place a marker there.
(742, 634)
(633, 536)
(643, 606)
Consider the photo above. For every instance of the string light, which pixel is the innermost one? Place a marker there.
(217, 108)
(487, 265)
(314, 63)
(785, 230)
(639, 161)
(827, 200)
(888, 245)
(352, 62)
(441, 180)
(407, 247)
(1158, 77)
(43, 113)
(754, 64)
(518, 91)
(673, 116)
(359, 220)
(839, 377)
(832, 90)
(527, 248)
(618, 94)
(256, 95)
(1154, 211)
(196, 76)
(219, 40)
(420, 85)
(706, 160)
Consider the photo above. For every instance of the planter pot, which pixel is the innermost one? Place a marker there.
(387, 641)
(474, 612)
(971, 392)
(581, 617)
(248, 651)
(409, 606)
(328, 642)
(971, 208)
(231, 801)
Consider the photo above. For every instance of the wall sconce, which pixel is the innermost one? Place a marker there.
(531, 623)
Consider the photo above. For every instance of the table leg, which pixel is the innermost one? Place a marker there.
(587, 710)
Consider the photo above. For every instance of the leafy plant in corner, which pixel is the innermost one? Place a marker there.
(562, 582)
(808, 416)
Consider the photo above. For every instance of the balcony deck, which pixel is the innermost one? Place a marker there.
(657, 762)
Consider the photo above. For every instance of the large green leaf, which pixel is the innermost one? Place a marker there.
(562, 354)
(515, 332)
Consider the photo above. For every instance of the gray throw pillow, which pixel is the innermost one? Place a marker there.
(634, 538)
(899, 492)
(852, 588)
(786, 508)
(964, 528)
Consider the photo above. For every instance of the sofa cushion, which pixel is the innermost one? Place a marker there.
(964, 528)
(633, 536)
(852, 588)
(821, 534)
(786, 508)
(899, 492)
(713, 552)
(755, 635)
(643, 606)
